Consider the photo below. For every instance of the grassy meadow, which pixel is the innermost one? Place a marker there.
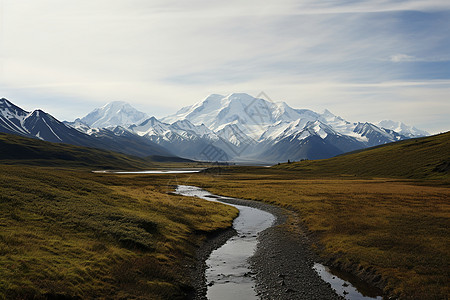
(393, 228)
(79, 234)
(65, 231)
(363, 211)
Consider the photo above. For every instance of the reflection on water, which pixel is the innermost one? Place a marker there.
(228, 274)
(345, 288)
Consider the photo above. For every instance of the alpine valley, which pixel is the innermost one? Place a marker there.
(236, 128)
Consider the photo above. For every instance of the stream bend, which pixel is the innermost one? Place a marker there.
(228, 274)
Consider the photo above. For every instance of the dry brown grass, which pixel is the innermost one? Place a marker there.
(75, 233)
(398, 228)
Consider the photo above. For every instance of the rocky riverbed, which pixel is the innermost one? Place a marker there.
(282, 265)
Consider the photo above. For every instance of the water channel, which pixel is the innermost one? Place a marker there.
(228, 274)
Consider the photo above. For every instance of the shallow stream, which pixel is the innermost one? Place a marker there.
(228, 274)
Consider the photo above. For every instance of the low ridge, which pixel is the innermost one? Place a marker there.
(427, 157)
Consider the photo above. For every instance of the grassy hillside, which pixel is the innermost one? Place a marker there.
(427, 157)
(20, 150)
(98, 236)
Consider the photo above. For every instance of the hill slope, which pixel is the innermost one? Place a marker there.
(427, 157)
(16, 149)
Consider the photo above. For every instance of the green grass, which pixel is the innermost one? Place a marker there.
(75, 233)
(427, 157)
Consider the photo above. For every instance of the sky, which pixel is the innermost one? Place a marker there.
(363, 60)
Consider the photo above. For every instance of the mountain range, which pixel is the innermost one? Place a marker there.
(41, 125)
(237, 127)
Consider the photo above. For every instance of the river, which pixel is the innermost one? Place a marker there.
(228, 274)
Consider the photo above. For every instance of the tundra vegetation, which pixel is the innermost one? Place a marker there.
(382, 213)
(70, 232)
(65, 231)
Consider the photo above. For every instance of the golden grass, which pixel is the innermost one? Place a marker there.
(427, 157)
(80, 234)
(398, 228)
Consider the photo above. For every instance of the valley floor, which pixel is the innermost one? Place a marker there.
(75, 233)
(392, 233)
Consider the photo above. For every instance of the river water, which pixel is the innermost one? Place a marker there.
(228, 274)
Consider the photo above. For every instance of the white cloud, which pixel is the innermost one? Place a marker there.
(161, 55)
(402, 58)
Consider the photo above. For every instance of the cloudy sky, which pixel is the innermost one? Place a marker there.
(363, 60)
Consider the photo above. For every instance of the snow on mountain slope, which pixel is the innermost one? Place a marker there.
(252, 115)
(375, 135)
(403, 129)
(240, 119)
(12, 118)
(315, 141)
(117, 113)
(241, 125)
(79, 125)
(44, 126)
(283, 128)
(41, 125)
(234, 134)
(199, 130)
(150, 127)
(37, 124)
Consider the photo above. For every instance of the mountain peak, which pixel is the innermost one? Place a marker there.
(402, 128)
(240, 96)
(116, 113)
(4, 101)
(116, 105)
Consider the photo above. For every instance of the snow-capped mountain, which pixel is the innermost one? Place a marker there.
(79, 125)
(235, 127)
(41, 125)
(12, 118)
(280, 130)
(315, 140)
(252, 115)
(242, 127)
(182, 137)
(36, 124)
(117, 113)
(402, 129)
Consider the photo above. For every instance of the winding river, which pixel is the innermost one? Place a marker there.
(228, 275)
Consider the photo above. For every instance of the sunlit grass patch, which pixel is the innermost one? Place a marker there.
(75, 233)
